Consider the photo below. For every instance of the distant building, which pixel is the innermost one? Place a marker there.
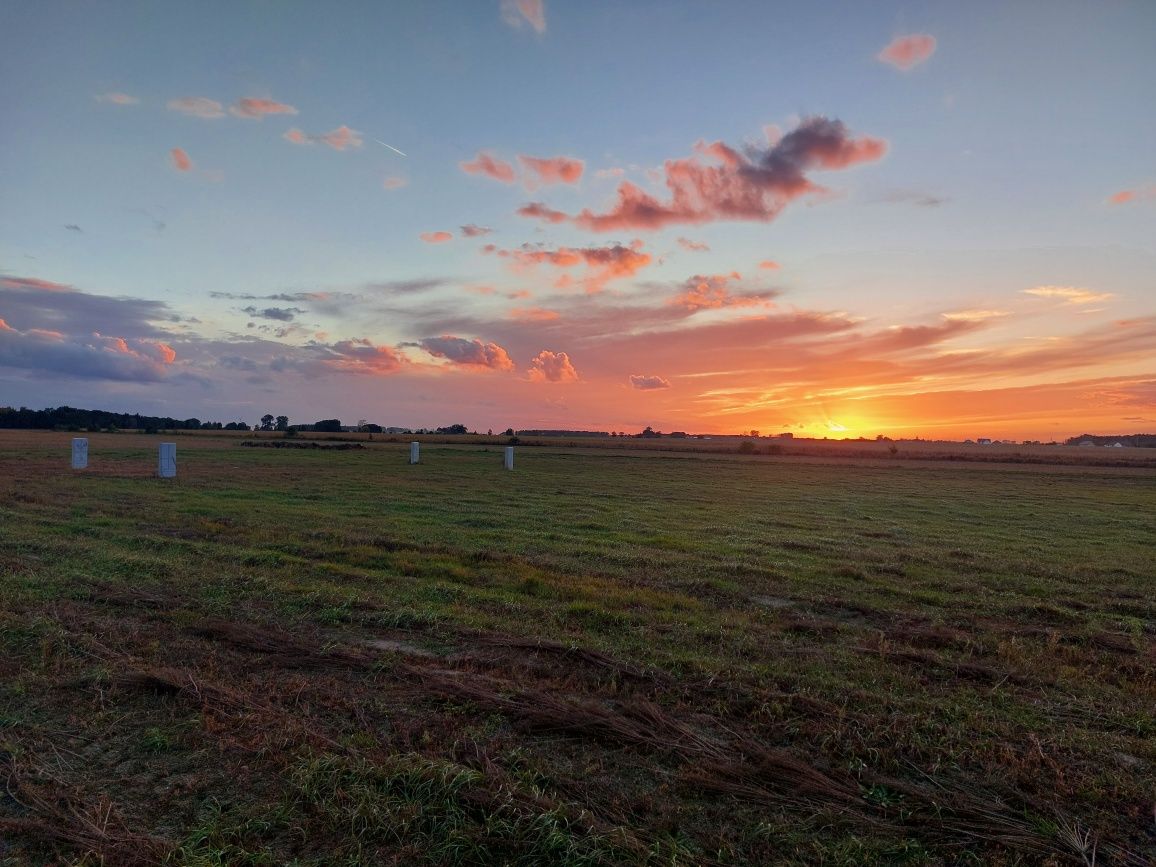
(984, 441)
(1117, 445)
(1084, 444)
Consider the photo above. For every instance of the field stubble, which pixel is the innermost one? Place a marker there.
(320, 657)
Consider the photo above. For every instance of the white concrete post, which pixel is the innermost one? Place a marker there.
(167, 460)
(508, 460)
(79, 453)
(415, 453)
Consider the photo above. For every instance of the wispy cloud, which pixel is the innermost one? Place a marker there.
(117, 98)
(756, 184)
(1137, 194)
(197, 106)
(545, 171)
(342, 138)
(1069, 294)
(491, 167)
(603, 264)
(472, 231)
(519, 13)
(713, 292)
(436, 237)
(180, 160)
(394, 182)
(695, 246)
(255, 108)
(907, 52)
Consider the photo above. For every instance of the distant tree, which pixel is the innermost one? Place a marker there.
(490, 432)
(754, 434)
(371, 428)
(330, 425)
(508, 432)
(267, 422)
(746, 447)
(452, 429)
(282, 422)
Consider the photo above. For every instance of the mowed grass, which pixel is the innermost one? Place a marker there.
(324, 657)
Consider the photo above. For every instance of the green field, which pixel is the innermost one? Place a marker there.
(323, 657)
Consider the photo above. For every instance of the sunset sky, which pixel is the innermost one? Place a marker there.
(835, 219)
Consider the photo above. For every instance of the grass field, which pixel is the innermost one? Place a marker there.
(325, 657)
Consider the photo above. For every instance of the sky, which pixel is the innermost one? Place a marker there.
(931, 219)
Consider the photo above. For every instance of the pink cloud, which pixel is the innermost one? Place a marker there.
(648, 383)
(533, 314)
(257, 108)
(538, 211)
(1138, 194)
(695, 246)
(339, 139)
(468, 353)
(472, 231)
(603, 264)
(610, 173)
(491, 167)
(711, 292)
(197, 106)
(554, 170)
(393, 182)
(769, 265)
(518, 13)
(117, 98)
(4, 326)
(34, 283)
(181, 161)
(359, 356)
(907, 52)
(755, 185)
(549, 366)
(436, 237)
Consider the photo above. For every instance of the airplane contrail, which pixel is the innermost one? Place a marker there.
(391, 147)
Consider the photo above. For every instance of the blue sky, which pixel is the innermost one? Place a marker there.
(1003, 150)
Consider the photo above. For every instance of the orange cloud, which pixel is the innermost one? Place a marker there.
(436, 237)
(1069, 294)
(117, 98)
(518, 13)
(257, 108)
(554, 170)
(603, 263)
(393, 182)
(491, 167)
(181, 161)
(696, 246)
(468, 353)
(549, 366)
(755, 185)
(538, 211)
(197, 106)
(711, 293)
(34, 283)
(907, 52)
(648, 383)
(1139, 194)
(769, 265)
(533, 314)
(359, 355)
(339, 139)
